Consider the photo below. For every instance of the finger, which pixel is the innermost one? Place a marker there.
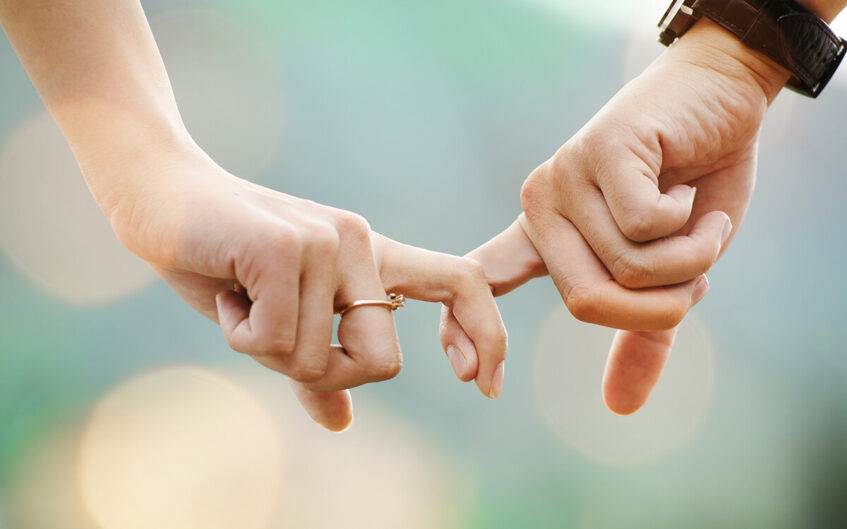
(264, 323)
(476, 312)
(233, 309)
(197, 290)
(333, 410)
(635, 363)
(729, 191)
(631, 191)
(665, 261)
(637, 359)
(592, 295)
(368, 334)
(509, 260)
(371, 350)
(461, 285)
(458, 346)
(309, 360)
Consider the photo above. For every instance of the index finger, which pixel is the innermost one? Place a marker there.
(590, 292)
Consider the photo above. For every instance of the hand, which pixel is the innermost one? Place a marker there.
(636, 358)
(272, 269)
(616, 206)
(614, 215)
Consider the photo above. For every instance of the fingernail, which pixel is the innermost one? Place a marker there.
(497, 381)
(700, 290)
(727, 229)
(693, 194)
(457, 359)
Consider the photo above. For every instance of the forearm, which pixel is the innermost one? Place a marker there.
(826, 9)
(98, 70)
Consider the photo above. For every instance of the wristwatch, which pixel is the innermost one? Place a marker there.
(781, 29)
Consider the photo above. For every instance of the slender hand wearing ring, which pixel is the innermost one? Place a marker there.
(203, 229)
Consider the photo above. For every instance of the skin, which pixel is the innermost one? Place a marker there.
(272, 268)
(613, 216)
(269, 267)
(826, 9)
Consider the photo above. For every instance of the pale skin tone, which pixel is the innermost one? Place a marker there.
(269, 267)
(615, 209)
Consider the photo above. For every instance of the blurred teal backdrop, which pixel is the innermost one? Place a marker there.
(120, 407)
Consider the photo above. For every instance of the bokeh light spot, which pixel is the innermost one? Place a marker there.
(44, 492)
(50, 226)
(180, 448)
(383, 473)
(567, 373)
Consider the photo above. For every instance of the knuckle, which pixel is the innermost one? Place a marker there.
(582, 304)
(353, 226)
(671, 316)
(386, 368)
(638, 227)
(306, 372)
(601, 142)
(238, 345)
(535, 188)
(500, 339)
(325, 239)
(630, 271)
(469, 272)
(280, 346)
(287, 240)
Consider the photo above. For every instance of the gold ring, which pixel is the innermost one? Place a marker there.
(394, 302)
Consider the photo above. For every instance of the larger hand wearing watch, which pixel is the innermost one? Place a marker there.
(781, 29)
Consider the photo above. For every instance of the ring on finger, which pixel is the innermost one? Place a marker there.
(394, 302)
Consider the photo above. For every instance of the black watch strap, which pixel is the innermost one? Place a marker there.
(781, 29)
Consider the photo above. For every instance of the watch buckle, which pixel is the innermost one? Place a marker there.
(677, 20)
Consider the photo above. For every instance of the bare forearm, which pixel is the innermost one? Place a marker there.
(99, 72)
(826, 9)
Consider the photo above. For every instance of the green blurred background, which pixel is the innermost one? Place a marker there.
(120, 407)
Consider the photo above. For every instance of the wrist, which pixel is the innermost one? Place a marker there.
(121, 172)
(707, 44)
(103, 138)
